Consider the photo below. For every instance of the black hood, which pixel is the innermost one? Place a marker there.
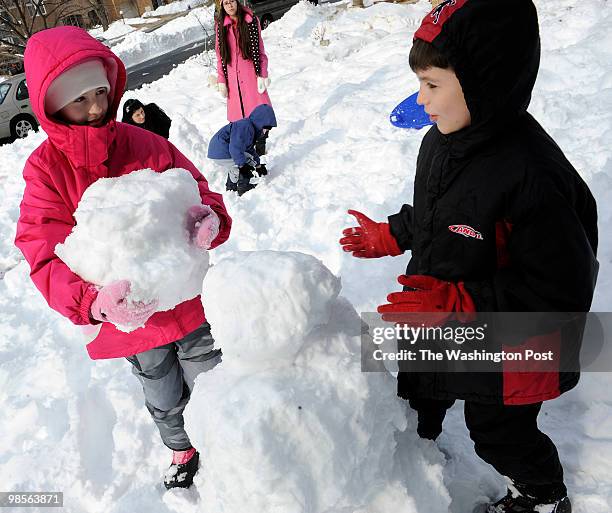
(494, 48)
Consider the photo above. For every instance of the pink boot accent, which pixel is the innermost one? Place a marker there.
(182, 457)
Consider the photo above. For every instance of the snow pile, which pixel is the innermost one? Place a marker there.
(294, 288)
(175, 7)
(139, 46)
(289, 423)
(115, 30)
(134, 227)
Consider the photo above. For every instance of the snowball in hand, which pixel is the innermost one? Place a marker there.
(133, 227)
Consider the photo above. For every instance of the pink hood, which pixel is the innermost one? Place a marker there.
(48, 54)
(61, 169)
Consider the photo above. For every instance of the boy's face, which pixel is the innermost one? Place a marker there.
(441, 95)
(88, 109)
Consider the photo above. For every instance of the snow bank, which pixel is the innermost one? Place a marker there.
(133, 227)
(116, 29)
(139, 46)
(175, 7)
(288, 423)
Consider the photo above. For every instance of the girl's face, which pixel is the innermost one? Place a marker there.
(88, 109)
(139, 116)
(231, 7)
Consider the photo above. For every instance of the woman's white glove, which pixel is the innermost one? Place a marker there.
(263, 84)
(222, 88)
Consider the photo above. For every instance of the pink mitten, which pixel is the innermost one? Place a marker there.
(111, 305)
(203, 225)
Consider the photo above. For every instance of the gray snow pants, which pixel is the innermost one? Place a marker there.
(167, 374)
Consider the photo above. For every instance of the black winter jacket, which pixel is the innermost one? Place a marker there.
(156, 120)
(503, 174)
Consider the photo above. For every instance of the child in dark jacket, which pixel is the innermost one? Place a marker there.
(235, 145)
(501, 222)
(150, 117)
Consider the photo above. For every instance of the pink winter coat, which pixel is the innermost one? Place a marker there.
(65, 165)
(241, 74)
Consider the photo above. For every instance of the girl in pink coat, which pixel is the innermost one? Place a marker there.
(75, 85)
(242, 63)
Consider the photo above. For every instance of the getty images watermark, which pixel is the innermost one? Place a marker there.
(488, 342)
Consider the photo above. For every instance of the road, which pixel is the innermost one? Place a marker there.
(153, 69)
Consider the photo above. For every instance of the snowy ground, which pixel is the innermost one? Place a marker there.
(76, 426)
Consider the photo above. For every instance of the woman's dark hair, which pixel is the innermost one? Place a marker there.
(243, 32)
(129, 107)
(424, 55)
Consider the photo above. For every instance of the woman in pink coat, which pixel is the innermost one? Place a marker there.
(75, 85)
(242, 64)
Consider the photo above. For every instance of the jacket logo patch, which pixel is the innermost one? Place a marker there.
(465, 230)
(438, 10)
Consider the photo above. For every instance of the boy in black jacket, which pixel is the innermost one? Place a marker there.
(501, 222)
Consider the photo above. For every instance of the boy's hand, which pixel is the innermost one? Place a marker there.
(436, 301)
(222, 88)
(370, 239)
(111, 305)
(203, 225)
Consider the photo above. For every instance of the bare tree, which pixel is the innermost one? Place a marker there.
(209, 40)
(19, 19)
(98, 7)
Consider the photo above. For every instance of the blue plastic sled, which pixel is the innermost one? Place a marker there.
(409, 114)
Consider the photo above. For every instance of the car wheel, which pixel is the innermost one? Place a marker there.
(21, 125)
(266, 20)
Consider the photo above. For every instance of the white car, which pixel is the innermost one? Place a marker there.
(16, 116)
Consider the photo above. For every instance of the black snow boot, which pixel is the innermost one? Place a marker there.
(180, 475)
(244, 180)
(514, 502)
(260, 145)
(231, 186)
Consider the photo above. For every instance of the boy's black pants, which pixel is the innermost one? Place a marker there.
(506, 437)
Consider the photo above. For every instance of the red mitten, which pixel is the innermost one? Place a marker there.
(370, 239)
(437, 299)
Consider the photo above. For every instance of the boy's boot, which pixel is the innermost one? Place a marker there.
(244, 180)
(522, 504)
(231, 183)
(518, 500)
(184, 466)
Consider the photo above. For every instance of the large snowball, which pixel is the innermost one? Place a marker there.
(134, 227)
(288, 295)
(288, 422)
